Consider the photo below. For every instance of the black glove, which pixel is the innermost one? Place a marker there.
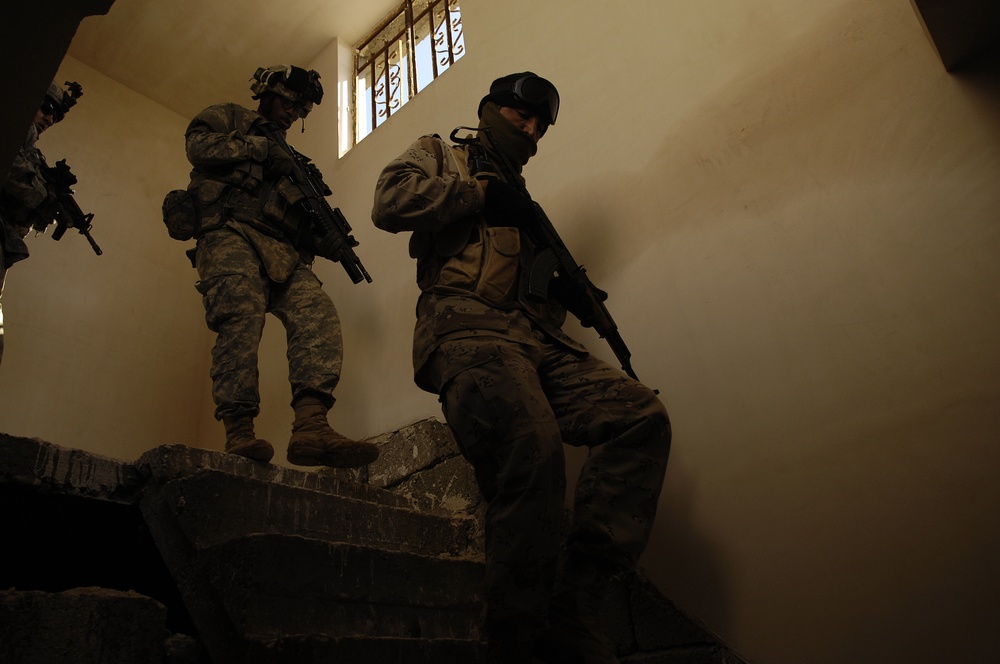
(507, 206)
(330, 246)
(572, 295)
(278, 162)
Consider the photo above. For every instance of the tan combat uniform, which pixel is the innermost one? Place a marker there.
(514, 388)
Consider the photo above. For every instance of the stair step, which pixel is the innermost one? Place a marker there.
(297, 650)
(695, 655)
(169, 462)
(273, 585)
(211, 507)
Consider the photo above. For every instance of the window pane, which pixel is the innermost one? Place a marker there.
(425, 52)
(363, 96)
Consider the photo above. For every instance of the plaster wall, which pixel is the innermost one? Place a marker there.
(108, 353)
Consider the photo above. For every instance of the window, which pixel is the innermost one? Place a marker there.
(415, 45)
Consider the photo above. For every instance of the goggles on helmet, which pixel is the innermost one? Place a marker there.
(51, 107)
(57, 101)
(537, 93)
(295, 84)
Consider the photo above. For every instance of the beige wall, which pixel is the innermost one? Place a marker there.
(108, 353)
(793, 207)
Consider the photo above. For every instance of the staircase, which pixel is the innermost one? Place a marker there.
(188, 556)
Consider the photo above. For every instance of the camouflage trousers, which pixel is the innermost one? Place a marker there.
(237, 295)
(511, 407)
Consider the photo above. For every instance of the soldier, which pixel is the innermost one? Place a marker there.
(26, 197)
(514, 387)
(254, 252)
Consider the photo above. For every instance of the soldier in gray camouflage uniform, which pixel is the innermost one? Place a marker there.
(254, 252)
(26, 197)
(514, 387)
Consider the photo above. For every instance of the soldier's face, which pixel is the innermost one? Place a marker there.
(43, 121)
(524, 120)
(281, 111)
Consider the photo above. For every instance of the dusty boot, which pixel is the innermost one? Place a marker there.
(241, 440)
(575, 635)
(314, 443)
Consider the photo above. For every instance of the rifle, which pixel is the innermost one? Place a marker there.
(65, 210)
(326, 219)
(554, 258)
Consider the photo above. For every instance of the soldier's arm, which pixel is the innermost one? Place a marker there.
(424, 190)
(25, 183)
(212, 142)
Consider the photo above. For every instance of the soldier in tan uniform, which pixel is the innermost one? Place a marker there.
(26, 197)
(514, 388)
(255, 248)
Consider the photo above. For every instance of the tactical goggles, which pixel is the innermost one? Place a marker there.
(51, 107)
(536, 92)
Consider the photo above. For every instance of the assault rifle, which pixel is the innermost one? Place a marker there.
(326, 220)
(553, 258)
(66, 212)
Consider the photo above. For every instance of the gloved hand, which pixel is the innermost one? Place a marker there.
(331, 245)
(572, 294)
(507, 206)
(279, 162)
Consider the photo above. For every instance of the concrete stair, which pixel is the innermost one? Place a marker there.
(188, 556)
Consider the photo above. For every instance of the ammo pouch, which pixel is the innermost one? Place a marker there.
(180, 214)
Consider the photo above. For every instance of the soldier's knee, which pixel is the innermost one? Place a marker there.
(230, 296)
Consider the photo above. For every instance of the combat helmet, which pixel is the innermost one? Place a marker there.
(525, 90)
(58, 101)
(299, 86)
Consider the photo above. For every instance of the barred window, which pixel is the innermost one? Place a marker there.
(414, 45)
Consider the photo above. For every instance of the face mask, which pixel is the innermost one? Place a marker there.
(514, 143)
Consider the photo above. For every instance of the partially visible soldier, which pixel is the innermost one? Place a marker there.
(254, 252)
(26, 198)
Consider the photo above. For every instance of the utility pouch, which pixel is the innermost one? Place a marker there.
(180, 214)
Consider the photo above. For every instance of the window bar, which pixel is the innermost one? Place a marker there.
(375, 82)
(411, 45)
(434, 59)
(447, 26)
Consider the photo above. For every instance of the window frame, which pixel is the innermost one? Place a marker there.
(387, 93)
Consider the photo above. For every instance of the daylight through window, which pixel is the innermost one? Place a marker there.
(410, 49)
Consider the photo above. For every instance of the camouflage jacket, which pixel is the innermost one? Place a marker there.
(468, 270)
(22, 199)
(232, 187)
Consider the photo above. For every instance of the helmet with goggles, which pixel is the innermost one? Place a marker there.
(528, 91)
(58, 101)
(295, 84)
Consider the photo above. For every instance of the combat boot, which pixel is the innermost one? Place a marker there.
(242, 441)
(575, 635)
(315, 443)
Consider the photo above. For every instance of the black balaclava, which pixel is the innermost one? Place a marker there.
(516, 144)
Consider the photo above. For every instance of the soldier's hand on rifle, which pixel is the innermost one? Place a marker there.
(506, 206)
(279, 162)
(330, 246)
(571, 294)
